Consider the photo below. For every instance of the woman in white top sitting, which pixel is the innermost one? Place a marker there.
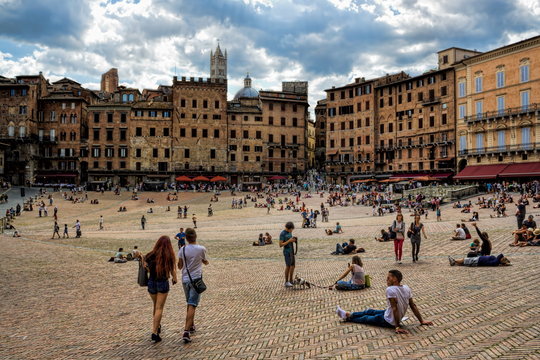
(357, 281)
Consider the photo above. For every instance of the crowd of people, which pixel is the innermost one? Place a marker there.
(162, 263)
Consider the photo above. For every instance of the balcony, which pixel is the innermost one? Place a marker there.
(282, 145)
(438, 141)
(431, 101)
(504, 149)
(499, 114)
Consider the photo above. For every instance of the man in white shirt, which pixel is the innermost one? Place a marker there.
(398, 299)
(191, 258)
(459, 233)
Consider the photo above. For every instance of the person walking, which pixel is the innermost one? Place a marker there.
(181, 237)
(160, 263)
(439, 213)
(77, 227)
(56, 230)
(143, 222)
(398, 299)
(398, 227)
(194, 219)
(100, 222)
(65, 234)
(191, 258)
(286, 241)
(520, 213)
(415, 231)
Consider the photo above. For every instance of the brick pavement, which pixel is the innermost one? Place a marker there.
(62, 300)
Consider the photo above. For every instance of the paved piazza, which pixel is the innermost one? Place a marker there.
(61, 299)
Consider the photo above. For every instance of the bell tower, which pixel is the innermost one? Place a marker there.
(218, 64)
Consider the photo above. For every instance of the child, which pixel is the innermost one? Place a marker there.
(475, 245)
(65, 231)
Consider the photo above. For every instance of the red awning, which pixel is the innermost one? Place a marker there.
(183, 178)
(480, 172)
(441, 176)
(277, 177)
(521, 169)
(201, 178)
(218, 178)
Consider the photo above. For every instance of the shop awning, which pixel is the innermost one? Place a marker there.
(441, 175)
(408, 176)
(332, 152)
(480, 172)
(522, 169)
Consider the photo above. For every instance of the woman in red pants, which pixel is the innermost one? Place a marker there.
(398, 226)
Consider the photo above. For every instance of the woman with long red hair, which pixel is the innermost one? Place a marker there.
(161, 265)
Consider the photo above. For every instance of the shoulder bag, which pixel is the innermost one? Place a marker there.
(198, 284)
(142, 278)
(393, 234)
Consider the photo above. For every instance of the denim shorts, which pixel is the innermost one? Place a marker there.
(192, 297)
(158, 286)
(289, 258)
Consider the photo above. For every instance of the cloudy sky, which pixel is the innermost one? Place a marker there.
(326, 42)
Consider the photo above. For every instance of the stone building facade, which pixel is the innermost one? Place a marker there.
(414, 130)
(349, 129)
(498, 114)
(320, 134)
(476, 109)
(65, 133)
(19, 110)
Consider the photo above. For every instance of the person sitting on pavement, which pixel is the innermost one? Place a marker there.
(474, 248)
(499, 260)
(385, 236)
(398, 299)
(338, 229)
(120, 257)
(530, 223)
(467, 232)
(267, 239)
(536, 239)
(357, 281)
(459, 233)
(520, 236)
(259, 242)
(486, 247)
(345, 249)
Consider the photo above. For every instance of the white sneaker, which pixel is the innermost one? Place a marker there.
(405, 318)
(341, 313)
(288, 284)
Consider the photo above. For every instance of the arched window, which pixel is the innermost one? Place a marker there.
(11, 130)
(22, 131)
(124, 98)
(130, 97)
(52, 134)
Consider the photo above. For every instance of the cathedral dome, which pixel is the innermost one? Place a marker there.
(247, 91)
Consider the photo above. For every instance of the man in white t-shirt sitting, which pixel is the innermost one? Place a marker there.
(459, 233)
(195, 257)
(398, 299)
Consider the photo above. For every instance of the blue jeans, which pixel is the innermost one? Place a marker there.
(348, 285)
(370, 317)
(339, 248)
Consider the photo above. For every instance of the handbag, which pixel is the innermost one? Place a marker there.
(410, 232)
(198, 284)
(393, 234)
(142, 278)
